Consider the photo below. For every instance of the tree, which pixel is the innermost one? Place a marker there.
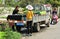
(54, 3)
(23, 3)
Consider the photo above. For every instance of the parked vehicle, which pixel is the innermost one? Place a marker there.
(54, 19)
(38, 19)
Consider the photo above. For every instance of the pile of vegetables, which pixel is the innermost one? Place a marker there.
(40, 12)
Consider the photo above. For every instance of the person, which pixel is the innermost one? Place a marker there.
(15, 11)
(54, 13)
(29, 16)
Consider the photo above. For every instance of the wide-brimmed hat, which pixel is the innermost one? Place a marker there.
(29, 7)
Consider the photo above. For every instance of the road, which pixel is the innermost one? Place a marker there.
(53, 32)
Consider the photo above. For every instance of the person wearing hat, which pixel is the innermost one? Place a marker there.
(29, 16)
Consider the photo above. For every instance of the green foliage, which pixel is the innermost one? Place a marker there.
(2, 35)
(0, 1)
(23, 3)
(7, 33)
(2, 26)
(54, 3)
(10, 35)
(13, 35)
(3, 17)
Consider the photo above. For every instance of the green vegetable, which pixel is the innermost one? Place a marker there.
(42, 12)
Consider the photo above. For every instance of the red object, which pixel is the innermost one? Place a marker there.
(48, 5)
(55, 17)
(11, 24)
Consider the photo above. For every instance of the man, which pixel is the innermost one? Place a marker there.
(29, 16)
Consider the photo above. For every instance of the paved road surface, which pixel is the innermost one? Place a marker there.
(53, 32)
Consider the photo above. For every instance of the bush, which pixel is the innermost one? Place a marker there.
(2, 35)
(7, 33)
(10, 35)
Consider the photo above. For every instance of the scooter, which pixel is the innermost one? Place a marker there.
(54, 19)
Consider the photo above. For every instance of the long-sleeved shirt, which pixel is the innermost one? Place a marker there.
(29, 15)
(15, 11)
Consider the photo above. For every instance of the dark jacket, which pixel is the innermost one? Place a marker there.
(54, 12)
(15, 11)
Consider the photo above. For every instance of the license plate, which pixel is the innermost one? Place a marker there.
(19, 24)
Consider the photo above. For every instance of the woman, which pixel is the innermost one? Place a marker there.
(54, 12)
(29, 16)
(15, 11)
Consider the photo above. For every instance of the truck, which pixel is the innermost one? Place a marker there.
(40, 17)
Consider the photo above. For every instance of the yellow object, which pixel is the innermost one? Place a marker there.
(29, 15)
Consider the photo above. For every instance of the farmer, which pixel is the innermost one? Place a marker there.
(29, 16)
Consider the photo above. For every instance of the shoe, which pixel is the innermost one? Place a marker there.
(24, 35)
(30, 34)
(27, 34)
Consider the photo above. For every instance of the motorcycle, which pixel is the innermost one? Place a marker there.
(54, 19)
